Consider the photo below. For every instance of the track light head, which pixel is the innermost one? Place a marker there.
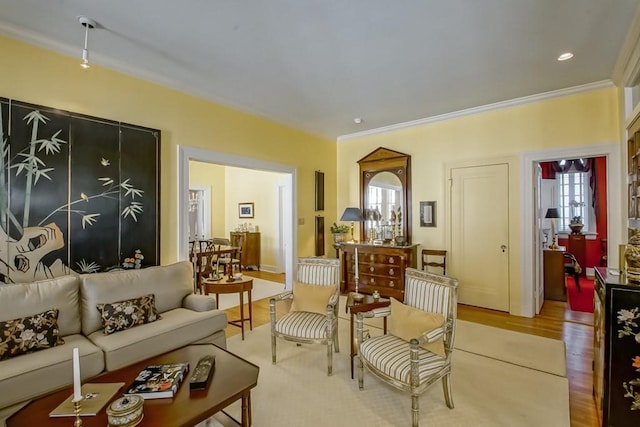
(87, 23)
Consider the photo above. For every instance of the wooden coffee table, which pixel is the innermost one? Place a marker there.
(239, 286)
(232, 380)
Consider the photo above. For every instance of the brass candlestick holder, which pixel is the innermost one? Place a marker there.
(76, 410)
(357, 296)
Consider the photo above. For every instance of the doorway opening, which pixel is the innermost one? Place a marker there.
(531, 237)
(288, 203)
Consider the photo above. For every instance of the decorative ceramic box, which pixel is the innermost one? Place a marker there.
(125, 411)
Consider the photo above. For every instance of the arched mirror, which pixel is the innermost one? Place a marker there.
(385, 189)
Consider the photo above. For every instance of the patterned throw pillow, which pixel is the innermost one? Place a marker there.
(121, 315)
(28, 334)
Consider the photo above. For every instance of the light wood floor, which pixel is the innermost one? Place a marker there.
(555, 321)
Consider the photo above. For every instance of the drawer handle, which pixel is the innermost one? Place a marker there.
(392, 260)
(372, 280)
(392, 284)
(391, 272)
(371, 258)
(371, 269)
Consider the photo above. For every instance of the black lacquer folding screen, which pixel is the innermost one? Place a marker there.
(76, 192)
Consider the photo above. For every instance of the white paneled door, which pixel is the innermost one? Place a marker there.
(480, 235)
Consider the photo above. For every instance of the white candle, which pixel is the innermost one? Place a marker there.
(356, 266)
(77, 391)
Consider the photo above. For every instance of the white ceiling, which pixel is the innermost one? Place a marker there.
(317, 64)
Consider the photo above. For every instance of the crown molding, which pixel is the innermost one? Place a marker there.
(626, 71)
(481, 109)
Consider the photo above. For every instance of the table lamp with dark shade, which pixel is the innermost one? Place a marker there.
(352, 214)
(552, 214)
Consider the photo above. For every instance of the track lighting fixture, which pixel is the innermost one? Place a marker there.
(87, 23)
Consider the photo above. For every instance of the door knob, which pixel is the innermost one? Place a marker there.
(503, 247)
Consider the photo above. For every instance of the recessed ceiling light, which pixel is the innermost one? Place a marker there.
(565, 56)
(357, 120)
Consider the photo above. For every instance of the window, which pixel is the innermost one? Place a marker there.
(383, 200)
(199, 212)
(574, 199)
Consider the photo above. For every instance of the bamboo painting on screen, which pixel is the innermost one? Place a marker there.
(84, 193)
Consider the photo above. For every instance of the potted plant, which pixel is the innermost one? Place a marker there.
(338, 232)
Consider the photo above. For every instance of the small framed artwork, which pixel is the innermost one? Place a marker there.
(319, 191)
(319, 240)
(245, 210)
(428, 214)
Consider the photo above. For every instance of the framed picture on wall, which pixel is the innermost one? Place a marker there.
(319, 191)
(319, 240)
(245, 210)
(428, 214)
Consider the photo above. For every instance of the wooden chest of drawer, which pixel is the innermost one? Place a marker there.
(380, 268)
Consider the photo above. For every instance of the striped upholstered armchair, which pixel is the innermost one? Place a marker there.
(313, 317)
(426, 319)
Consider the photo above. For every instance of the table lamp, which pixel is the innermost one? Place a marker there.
(352, 214)
(552, 214)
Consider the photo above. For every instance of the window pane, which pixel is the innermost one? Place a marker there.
(573, 199)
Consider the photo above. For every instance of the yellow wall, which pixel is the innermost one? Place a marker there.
(580, 119)
(39, 76)
(261, 188)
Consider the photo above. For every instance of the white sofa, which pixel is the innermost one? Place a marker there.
(186, 318)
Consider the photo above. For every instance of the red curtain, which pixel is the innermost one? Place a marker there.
(600, 177)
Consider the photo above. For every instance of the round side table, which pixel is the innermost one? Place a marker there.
(239, 286)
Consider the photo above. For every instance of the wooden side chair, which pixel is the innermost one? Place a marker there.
(205, 267)
(427, 260)
(418, 348)
(572, 267)
(313, 316)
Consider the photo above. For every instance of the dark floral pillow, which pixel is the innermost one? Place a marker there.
(121, 315)
(28, 334)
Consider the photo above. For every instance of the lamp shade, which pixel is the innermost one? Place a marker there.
(351, 214)
(552, 213)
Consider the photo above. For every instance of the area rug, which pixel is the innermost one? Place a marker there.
(583, 300)
(486, 391)
(529, 351)
(261, 289)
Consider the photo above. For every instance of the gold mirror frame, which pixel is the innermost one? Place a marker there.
(399, 164)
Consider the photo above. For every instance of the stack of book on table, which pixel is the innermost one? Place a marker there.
(159, 381)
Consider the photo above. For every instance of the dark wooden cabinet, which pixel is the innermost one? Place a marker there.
(250, 247)
(553, 263)
(380, 267)
(576, 245)
(616, 361)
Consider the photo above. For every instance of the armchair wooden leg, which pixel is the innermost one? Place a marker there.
(336, 342)
(360, 374)
(273, 349)
(415, 410)
(330, 357)
(446, 387)
(272, 315)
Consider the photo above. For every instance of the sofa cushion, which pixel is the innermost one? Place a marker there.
(121, 315)
(34, 374)
(29, 334)
(25, 299)
(170, 284)
(177, 328)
